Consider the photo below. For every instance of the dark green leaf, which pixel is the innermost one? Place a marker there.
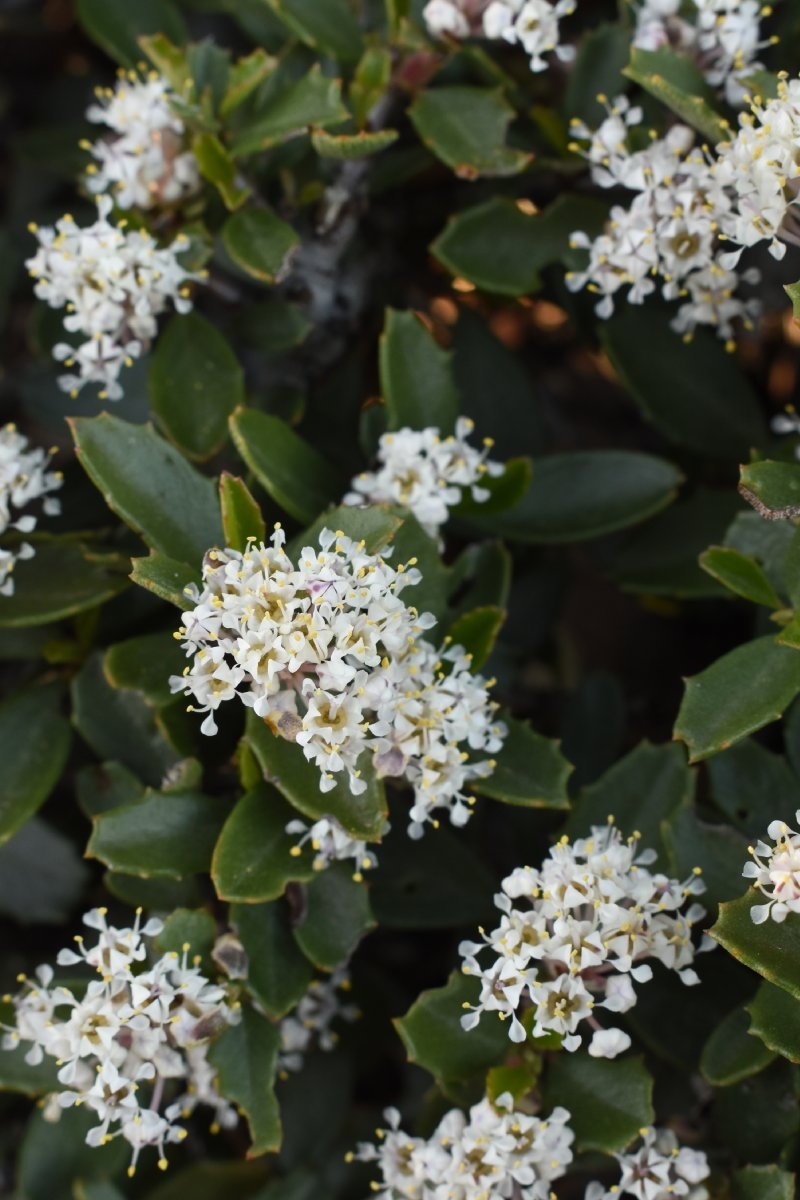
(253, 858)
(609, 1102)
(260, 243)
(773, 488)
(330, 28)
(165, 577)
(278, 972)
(294, 474)
(674, 80)
(210, 1179)
(731, 1054)
(477, 632)
(416, 375)
(531, 771)
(312, 100)
(753, 786)
(504, 490)
(195, 384)
(375, 525)
(741, 575)
(150, 485)
(102, 786)
(63, 578)
(756, 1118)
(762, 1183)
(433, 1037)
(716, 851)
(336, 917)
(744, 690)
(144, 664)
(597, 70)
(775, 1018)
(245, 76)
(772, 949)
(34, 745)
(164, 834)
(41, 875)
(466, 128)
(192, 930)
(18, 1076)
(54, 1154)
(116, 25)
(244, 1057)
(438, 882)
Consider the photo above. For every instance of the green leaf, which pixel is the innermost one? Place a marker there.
(41, 876)
(64, 578)
(741, 574)
(116, 25)
(693, 392)
(587, 494)
(597, 70)
(144, 664)
(285, 765)
(640, 792)
(531, 771)
(54, 1154)
(278, 972)
(438, 882)
(352, 146)
(477, 632)
(335, 918)
(773, 488)
(195, 384)
(674, 80)
(329, 28)
(18, 1076)
(609, 1102)
(744, 690)
(253, 858)
(433, 1037)
(717, 851)
(210, 1179)
(416, 375)
(217, 165)
(753, 786)
(101, 786)
(34, 746)
(775, 1018)
(165, 577)
(793, 292)
(501, 247)
(294, 474)
(731, 1054)
(466, 128)
(762, 1183)
(150, 486)
(245, 76)
(772, 949)
(244, 1057)
(192, 929)
(260, 243)
(504, 490)
(163, 834)
(168, 59)
(241, 515)
(375, 525)
(313, 100)
(755, 1119)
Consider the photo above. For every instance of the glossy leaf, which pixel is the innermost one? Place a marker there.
(260, 243)
(241, 515)
(144, 664)
(376, 525)
(312, 100)
(64, 578)
(673, 79)
(773, 488)
(433, 1037)
(171, 835)
(531, 771)
(466, 128)
(41, 875)
(195, 384)
(253, 858)
(335, 918)
(34, 746)
(775, 1019)
(771, 949)
(416, 376)
(477, 632)
(278, 972)
(116, 25)
(150, 486)
(244, 1057)
(165, 577)
(744, 690)
(741, 575)
(293, 473)
(732, 1054)
(193, 930)
(609, 1101)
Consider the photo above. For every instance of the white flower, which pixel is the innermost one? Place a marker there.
(308, 1026)
(24, 478)
(575, 936)
(114, 284)
(534, 24)
(426, 473)
(775, 871)
(445, 17)
(331, 843)
(658, 1169)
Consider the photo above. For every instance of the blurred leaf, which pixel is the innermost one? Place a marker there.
(116, 25)
(718, 851)
(273, 325)
(35, 741)
(504, 490)
(102, 786)
(350, 146)
(260, 243)
(253, 858)
(210, 70)
(416, 376)
(370, 82)
(63, 578)
(150, 486)
(165, 577)
(241, 515)
(773, 488)
(675, 80)
(438, 882)
(244, 1057)
(433, 1037)
(168, 59)
(245, 76)
(744, 690)
(160, 894)
(597, 70)
(313, 100)
(336, 917)
(772, 949)
(466, 128)
(732, 1054)
(756, 1118)
(502, 248)
(775, 1019)
(762, 1183)
(216, 164)
(330, 28)
(768, 542)
(212, 1180)
(480, 576)
(693, 392)
(41, 875)
(477, 632)
(753, 786)
(195, 384)
(609, 1102)
(172, 835)
(293, 472)
(144, 664)
(278, 973)
(531, 771)
(285, 765)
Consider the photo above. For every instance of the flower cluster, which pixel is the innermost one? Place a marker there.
(145, 164)
(775, 871)
(532, 24)
(454, 18)
(24, 477)
(495, 1151)
(327, 653)
(332, 843)
(574, 937)
(426, 473)
(308, 1026)
(134, 1032)
(722, 36)
(114, 283)
(658, 1169)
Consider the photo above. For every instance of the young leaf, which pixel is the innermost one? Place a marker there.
(195, 384)
(433, 1037)
(609, 1102)
(244, 1057)
(531, 771)
(312, 100)
(165, 577)
(335, 918)
(278, 972)
(466, 128)
(773, 488)
(34, 746)
(253, 858)
(241, 515)
(416, 376)
(732, 1054)
(741, 575)
(163, 834)
(744, 690)
(63, 578)
(260, 243)
(168, 59)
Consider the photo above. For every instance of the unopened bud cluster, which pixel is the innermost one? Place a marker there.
(24, 478)
(326, 651)
(576, 935)
(139, 1031)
